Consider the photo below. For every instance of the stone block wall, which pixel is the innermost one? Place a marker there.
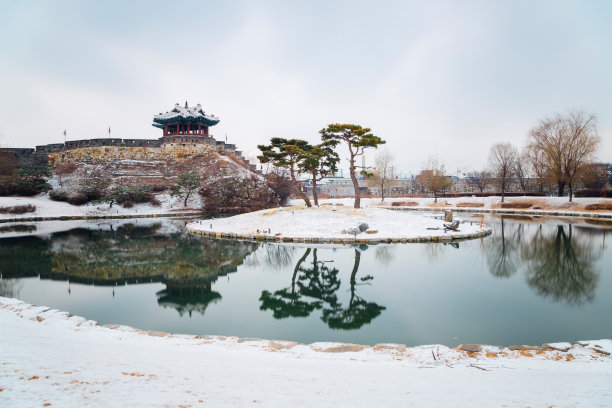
(175, 148)
(117, 153)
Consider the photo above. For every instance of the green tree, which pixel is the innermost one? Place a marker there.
(288, 154)
(185, 184)
(32, 179)
(319, 161)
(357, 139)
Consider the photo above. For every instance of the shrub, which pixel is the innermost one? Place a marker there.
(18, 228)
(58, 195)
(18, 209)
(154, 201)
(470, 205)
(157, 188)
(404, 204)
(592, 193)
(78, 199)
(599, 207)
(127, 196)
(518, 204)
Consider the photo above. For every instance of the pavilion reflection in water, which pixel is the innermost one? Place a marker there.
(130, 254)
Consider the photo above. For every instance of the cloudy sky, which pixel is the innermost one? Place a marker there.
(435, 79)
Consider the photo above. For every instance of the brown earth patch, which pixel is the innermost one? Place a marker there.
(599, 207)
(517, 204)
(470, 205)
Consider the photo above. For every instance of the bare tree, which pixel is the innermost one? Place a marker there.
(502, 158)
(535, 157)
(62, 170)
(433, 178)
(521, 170)
(546, 143)
(479, 179)
(383, 172)
(581, 144)
(566, 144)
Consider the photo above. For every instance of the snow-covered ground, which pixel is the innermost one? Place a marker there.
(546, 203)
(45, 207)
(334, 222)
(51, 358)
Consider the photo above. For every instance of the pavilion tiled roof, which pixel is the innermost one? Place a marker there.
(185, 114)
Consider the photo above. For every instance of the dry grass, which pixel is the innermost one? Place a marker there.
(18, 209)
(599, 207)
(470, 205)
(517, 204)
(404, 204)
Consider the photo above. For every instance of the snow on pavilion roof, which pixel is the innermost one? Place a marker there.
(185, 115)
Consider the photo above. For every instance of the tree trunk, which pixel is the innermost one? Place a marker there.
(382, 190)
(560, 188)
(314, 189)
(503, 188)
(571, 191)
(353, 280)
(300, 192)
(297, 268)
(435, 196)
(186, 198)
(355, 183)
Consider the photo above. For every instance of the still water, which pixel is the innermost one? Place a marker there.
(533, 280)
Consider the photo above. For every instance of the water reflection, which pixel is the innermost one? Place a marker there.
(315, 287)
(561, 267)
(557, 262)
(487, 290)
(129, 254)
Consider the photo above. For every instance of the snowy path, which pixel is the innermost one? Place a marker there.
(49, 358)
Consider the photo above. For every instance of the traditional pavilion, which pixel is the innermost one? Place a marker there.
(191, 122)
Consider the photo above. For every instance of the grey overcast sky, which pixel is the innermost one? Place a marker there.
(441, 79)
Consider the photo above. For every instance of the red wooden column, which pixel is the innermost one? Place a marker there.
(189, 128)
(165, 129)
(199, 129)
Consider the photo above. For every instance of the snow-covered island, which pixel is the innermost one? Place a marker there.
(336, 224)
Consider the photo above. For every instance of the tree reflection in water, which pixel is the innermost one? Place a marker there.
(502, 252)
(561, 267)
(557, 264)
(316, 287)
(286, 302)
(10, 288)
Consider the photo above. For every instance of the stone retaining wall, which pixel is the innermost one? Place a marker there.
(264, 237)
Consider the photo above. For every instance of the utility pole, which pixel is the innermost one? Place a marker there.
(605, 186)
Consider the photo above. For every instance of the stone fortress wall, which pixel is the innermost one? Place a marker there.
(180, 147)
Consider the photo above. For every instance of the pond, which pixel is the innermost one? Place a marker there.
(532, 281)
